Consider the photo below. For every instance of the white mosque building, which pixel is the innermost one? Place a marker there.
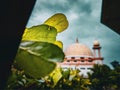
(80, 56)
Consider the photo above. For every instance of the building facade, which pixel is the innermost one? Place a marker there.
(80, 56)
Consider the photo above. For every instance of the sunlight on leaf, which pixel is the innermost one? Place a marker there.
(59, 44)
(59, 21)
(56, 76)
(44, 33)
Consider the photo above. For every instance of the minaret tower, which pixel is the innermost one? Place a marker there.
(77, 41)
(97, 54)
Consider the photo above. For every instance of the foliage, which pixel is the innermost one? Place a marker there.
(99, 78)
(115, 65)
(33, 58)
(18, 80)
(39, 50)
(115, 75)
(35, 64)
(58, 80)
(105, 78)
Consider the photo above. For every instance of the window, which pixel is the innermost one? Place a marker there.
(89, 68)
(81, 57)
(90, 60)
(82, 68)
(82, 60)
(68, 60)
(75, 60)
(72, 57)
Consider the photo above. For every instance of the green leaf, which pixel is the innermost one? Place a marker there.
(59, 21)
(45, 50)
(66, 73)
(36, 58)
(32, 65)
(44, 33)
(59, 44)
(56, 76)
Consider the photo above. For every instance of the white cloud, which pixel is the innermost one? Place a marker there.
(72, 16)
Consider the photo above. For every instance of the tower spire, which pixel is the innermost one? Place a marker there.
(77, 41)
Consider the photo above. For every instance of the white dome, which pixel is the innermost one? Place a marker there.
(96, 42)
(78, 50)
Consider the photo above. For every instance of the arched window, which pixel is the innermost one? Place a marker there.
(81, 57)
(75, 60)
(72, 57)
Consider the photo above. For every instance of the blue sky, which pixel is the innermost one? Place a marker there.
(84, 24)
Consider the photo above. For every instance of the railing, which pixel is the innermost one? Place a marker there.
(77, 63)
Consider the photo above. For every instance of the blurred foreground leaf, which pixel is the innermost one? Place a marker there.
(59, 44)
(59, 21)
(37, 59)
(56, 76)
(43, 33)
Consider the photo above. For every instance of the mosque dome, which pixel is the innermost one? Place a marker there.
(78, 49)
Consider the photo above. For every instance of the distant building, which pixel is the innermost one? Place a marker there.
(79, 56)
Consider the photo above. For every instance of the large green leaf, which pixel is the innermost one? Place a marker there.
(59, 21)
(46, 50)
(44, 33)
(36, 58)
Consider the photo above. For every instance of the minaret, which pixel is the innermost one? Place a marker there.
(77, 41)
(97, 54)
